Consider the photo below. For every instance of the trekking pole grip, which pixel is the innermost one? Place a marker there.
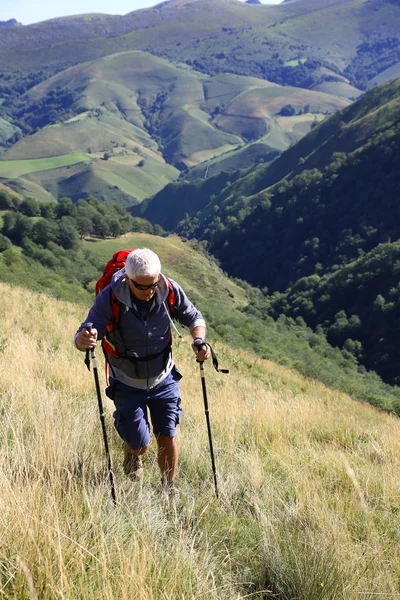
(90, 351)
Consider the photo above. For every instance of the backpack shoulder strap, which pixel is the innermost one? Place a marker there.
(171, 297)
(115, 311)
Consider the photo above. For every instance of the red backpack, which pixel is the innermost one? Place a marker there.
(114, 264)
(117, 262)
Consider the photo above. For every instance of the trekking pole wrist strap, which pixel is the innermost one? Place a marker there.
(198, 343)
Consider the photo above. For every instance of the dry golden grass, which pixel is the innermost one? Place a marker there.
(308, 481)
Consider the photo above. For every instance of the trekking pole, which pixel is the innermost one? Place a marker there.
(198, 343)
(92, 352)
(207, 412)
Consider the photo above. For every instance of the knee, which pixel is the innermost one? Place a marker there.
(165, 441)
(138, 451)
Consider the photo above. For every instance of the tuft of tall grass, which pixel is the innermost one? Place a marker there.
(308, 481)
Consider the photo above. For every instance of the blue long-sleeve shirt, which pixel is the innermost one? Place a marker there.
(142, 335)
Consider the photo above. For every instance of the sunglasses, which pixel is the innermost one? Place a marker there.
(139, 286)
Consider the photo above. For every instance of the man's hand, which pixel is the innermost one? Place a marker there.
(201, 349)
(86, 339)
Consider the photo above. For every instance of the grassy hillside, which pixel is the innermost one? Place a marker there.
(307, 479)
(198, 275)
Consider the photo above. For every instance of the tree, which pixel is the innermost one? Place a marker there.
(84, 225)
(5, 243)
(45, 231)
(68, 236)
(48, 210)
(288, 110)
(16, 226)
(5, 200)
(30, 207)
(66, 208)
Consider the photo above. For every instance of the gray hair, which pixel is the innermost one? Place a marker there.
(142, 262)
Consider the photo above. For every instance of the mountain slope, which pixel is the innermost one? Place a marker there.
(320, 498)
(318, 30)
(151, 118)
(336, 203)
(211, 99)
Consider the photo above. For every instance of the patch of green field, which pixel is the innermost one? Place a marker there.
(295, 62)
(139, 182)
(16, 168)
(338, 88)
(207, 155)
(29, 187)
(288, 124)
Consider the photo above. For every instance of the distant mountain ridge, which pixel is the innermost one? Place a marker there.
(283, 43)
(10, 23)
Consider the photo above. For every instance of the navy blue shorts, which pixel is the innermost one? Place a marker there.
(132, 406)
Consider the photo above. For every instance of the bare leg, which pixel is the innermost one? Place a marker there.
(167, 456)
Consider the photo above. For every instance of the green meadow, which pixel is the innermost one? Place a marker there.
(16, 168)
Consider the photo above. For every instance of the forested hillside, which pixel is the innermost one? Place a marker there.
(324, 221)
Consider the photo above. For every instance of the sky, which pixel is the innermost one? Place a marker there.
(30, 11)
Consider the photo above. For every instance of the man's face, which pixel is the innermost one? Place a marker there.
(143, 287)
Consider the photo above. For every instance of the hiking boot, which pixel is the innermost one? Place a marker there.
(169, 489)
(133, 466)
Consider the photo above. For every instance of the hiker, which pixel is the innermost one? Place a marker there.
(142, 374)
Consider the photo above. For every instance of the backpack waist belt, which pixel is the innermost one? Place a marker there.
(131, 354)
